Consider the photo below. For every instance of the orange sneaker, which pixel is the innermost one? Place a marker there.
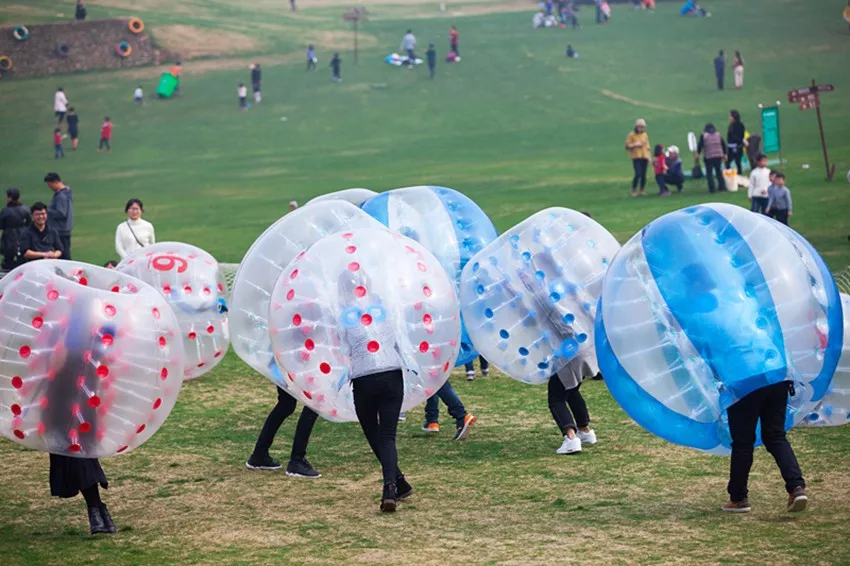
(742, 506)
(463, 431)
(431, 427)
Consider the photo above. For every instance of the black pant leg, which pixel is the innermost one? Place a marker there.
(285, 407)
(644, 167)
(773, 435)
(66, 246)
(781, 216)
(578, 407)
(557, 397)
(388, 412)
(485, 365)
(636, 178)
(302, 433)
(743, 418)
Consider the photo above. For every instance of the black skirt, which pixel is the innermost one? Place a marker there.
(68, 476)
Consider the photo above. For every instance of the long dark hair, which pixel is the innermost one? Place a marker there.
(659, 150)
(736, 116)
(14, 196)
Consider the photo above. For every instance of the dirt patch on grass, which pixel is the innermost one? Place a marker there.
(652, 105)
(191, 41)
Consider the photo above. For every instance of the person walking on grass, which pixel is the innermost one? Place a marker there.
(242, 93)
(73, 127)
(735, 140)
(759, 190)
(256, 79)
(61, 211)
(454, 41)
(311, 58)
(470, 368)
(14, 219)
(336, 64)
(637, 144)
(713, 148)
(738, 70)
(766, 406)
(568, 407)
(58, 150)
(408, 45)
(719, 69)
(105, 135)
(432, 60)
(779, 201)
(60, 104)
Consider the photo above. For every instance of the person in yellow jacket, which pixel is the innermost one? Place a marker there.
(637, 144)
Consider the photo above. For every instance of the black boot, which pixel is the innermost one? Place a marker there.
(96, 521)
(389, 498)
(107, 519)
(405, 490)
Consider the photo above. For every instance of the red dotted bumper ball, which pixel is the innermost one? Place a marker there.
(367, 320)
(191, 282)
(267, 260)
(83, 372)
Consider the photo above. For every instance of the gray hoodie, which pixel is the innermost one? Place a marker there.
(60, 213)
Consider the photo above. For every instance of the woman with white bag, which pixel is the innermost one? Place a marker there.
(133, 233)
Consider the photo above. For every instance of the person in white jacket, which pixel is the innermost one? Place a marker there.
(759, 182)
(133, 233)
(60, 104)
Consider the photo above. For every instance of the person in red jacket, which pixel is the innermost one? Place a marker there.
(58, 151)
(453, 41)
(105, 135)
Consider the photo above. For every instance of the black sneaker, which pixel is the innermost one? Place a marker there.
(404, 489)
(301, 468)
(107, 519)
(262, 463)
(389, 498)
(96, 522)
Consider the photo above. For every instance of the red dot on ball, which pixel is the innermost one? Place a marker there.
(166, 289)
(290, 295)
(140, 430)
(16, 409)
(85, 427)
(210, 329)
(296, 320)
(187, 289)
(220, 288)
(163, 374)
(155, 313)
(426, 290)
(74, 448)
(37, 322)
(423, 346)
(110, 310)
(116, 289)
(102, 371)
(294, 274)
(308, 395)
(201, 364)
(25, 352)
(20, 434)
(421, 266)
(162, 342)
(360, 291)
(192, 335)
(207, 291)
(107, 340)
(52, 295)
(122, 449)
(373, 346)
(17, 382)
(84, 281)
(366, 319)
(157, 404)
(325, 367)
(94, 401)
(217, 354)
(353, 266)
(427, 319)
(309, 344)
(446, 366)
(350, 249)
(347, 236)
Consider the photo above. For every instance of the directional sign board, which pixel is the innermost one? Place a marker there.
(799, 94)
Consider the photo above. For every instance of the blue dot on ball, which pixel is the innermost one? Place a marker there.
(514, 240)
(543, 365)
(554, 297)
(523, 351)
(569, 318)
(539, 275)
(504, 334)
(480, 289)
(488, 312)
(475, 267)
(526, 256)
(581, 338)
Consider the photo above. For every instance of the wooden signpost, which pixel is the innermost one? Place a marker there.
(356, 15)
(807, 98)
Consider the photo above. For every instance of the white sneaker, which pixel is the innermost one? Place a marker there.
(570, 446)
(588, 438)
(470, 376)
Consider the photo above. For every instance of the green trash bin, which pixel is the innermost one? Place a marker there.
(167, 84)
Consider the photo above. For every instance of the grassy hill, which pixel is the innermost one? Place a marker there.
(517, 127)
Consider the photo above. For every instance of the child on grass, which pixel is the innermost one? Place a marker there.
(757, 192)
(336, 62)
(58, 151)
(660, 165)
(311, 58)
(139, 96)
(73, 129)
(242, 92)
(105, 135)
(779, 201)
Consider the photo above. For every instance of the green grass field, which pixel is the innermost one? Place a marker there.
(515, 126)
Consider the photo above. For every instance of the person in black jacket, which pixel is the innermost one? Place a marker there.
(256, 79)
(80, 12)
(719, 69)
(735, 140)
(38, 240)
(61, 211)
(13, 220)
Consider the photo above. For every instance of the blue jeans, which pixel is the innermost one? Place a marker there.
(452, 401)
(759, 204)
